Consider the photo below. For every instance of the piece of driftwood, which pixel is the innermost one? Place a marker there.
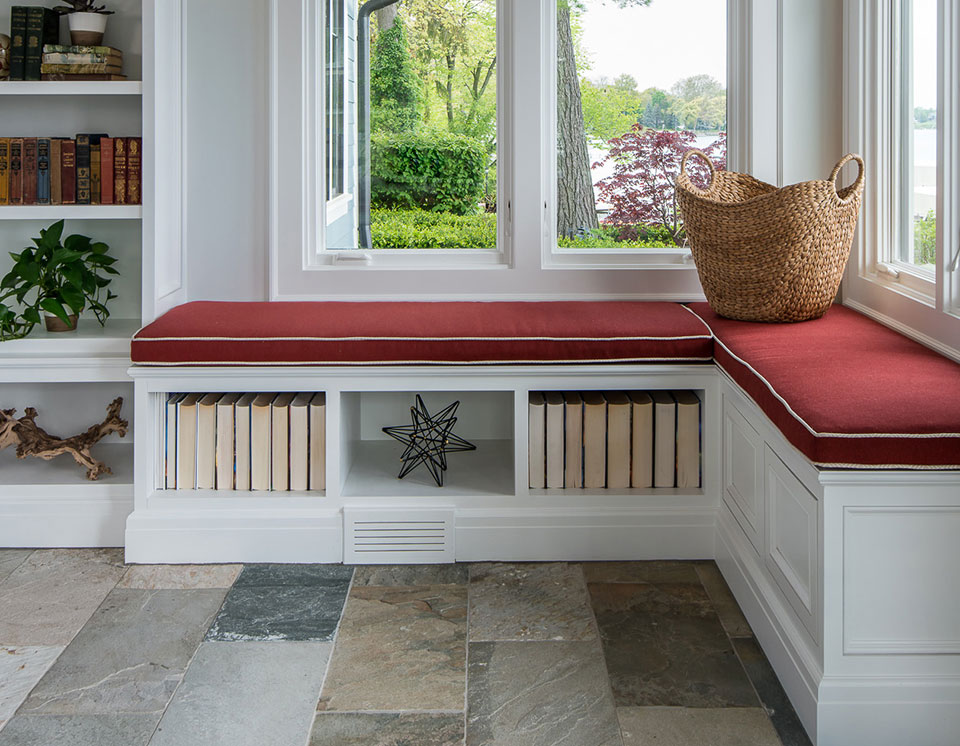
(32, 440)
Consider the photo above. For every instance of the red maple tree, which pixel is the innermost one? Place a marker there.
(642, 188)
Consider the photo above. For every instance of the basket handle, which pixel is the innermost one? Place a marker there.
(713, 169)
(858, 182)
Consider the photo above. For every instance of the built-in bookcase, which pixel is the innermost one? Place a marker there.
(71, 378)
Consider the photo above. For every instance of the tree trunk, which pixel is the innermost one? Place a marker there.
(576, 204)
(386, 16)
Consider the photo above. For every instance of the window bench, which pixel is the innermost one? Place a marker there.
(830, 493)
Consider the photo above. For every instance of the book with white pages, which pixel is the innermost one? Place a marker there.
(641, 457)
(260, 451)
(573, 440)
(241, 435)
(280, 442)
(187, 441)
(594, 440)
(226, 444)
(318, 441)
(300, 442)
(170, 441)
(554, 439)
(536, 441)
(688, 438)
(618, 439)
(664, 439)
(207, 441)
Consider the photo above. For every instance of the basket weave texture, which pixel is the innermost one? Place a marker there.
(765, 253)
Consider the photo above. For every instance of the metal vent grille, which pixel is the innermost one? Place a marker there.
(396, 537)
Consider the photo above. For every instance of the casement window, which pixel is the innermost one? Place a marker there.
(901, 102)
(335, 99)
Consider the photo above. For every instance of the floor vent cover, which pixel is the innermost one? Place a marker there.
(375, 536)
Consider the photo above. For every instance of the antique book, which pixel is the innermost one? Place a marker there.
(241, 449)
(67, 76)
(4, 170)
(133, 170)
(318, 441)
(573, 440)
(90, 69)
(56, 173)
(554, 434)
(75, 49)
(594, 440)
(641, 458)
(83, 169)
(18, 42)
(80, 58)
(225, 440)
(187, 441)
(29, 194)
(15, 188)
(43, 27)
(536, 441)
(664, 439)
(106, 171)
(43, 171)
(618, 439)
(68, 171)
(207, 441)
(170, 441)
(280, 442)
(119, 171)
(95, 169)
(300, 443)
(260, 451)
(688, 438)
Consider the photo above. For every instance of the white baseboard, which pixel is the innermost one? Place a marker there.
(42, 521)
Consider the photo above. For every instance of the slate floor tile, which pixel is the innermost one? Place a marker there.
(246, 693)
(539, 694)
(411, 575)
(732, 619)
(682, 726)
(399, 648)
(129, 657)
(52, 594)
(279, 612)
(179, 577)
(658, 571)
(10, 560)
(20, 669)
(529, 602)
(664, 646)
(256, 576)
(387, 729)
(80, 730)
(771, 693)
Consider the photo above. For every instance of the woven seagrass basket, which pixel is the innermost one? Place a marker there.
(765, 253)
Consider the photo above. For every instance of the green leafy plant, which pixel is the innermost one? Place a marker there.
(925, 239)
(82, 6)
(58, 278)
(418, 229)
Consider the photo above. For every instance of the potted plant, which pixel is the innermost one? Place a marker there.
(61, 280)
(86, 19)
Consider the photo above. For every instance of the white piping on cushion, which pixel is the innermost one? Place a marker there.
(416, 339)
(380, 363)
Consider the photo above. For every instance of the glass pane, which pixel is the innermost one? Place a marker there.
(335, 104)
(638, 83)
(431, 182)
(919, 140)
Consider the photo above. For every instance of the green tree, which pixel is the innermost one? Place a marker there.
(700, 103)
(925, 239)
(609, 109)
(394, 86)
(657, 111)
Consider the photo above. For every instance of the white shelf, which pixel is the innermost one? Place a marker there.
(30, 475)
(71, 212)
(71, 88)
(486, 472)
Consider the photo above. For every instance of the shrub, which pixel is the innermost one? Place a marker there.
(394, 86)
(925, 239)
(416, 229)
(620, 237)
(430, 170)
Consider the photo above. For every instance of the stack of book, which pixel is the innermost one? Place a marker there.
(245, 442)
(614, 439)
(89, 170)
(31, 29)
(81, 63)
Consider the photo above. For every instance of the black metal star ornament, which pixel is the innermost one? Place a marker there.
(429, 439)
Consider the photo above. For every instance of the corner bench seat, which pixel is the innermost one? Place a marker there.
(845, 390)
(417, 333)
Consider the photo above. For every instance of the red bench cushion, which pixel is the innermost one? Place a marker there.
(845, 390)
(395, 333)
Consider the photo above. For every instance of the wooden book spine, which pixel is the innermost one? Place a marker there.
(68, 171)
(16, 171)
(106, 171)
(4, 170)
(119, 171)
(29, 170)
(94, 171)
(134, 145)
(56, 183)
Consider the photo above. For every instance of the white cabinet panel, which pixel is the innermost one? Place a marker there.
(743, 473)
(792, 540)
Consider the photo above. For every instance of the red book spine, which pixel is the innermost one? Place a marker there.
(133, 170)
(29, 170)
(16, 171)
(106, 171)
(68, 171)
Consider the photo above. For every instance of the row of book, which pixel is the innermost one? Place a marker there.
(89, 170)
(36, 54)
(614, 439)
(245, 441)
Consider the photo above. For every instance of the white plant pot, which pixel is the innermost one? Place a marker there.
(87, 28)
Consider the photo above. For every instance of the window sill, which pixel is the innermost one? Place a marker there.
(618, 259)
(417, 259)
(902, 282)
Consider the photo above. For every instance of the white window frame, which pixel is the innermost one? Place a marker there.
(338, 205)
(921, 304)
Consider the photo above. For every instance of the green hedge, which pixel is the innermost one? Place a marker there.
(428, 170)
(416, 229)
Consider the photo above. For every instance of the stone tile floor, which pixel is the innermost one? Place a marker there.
(96, 653)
